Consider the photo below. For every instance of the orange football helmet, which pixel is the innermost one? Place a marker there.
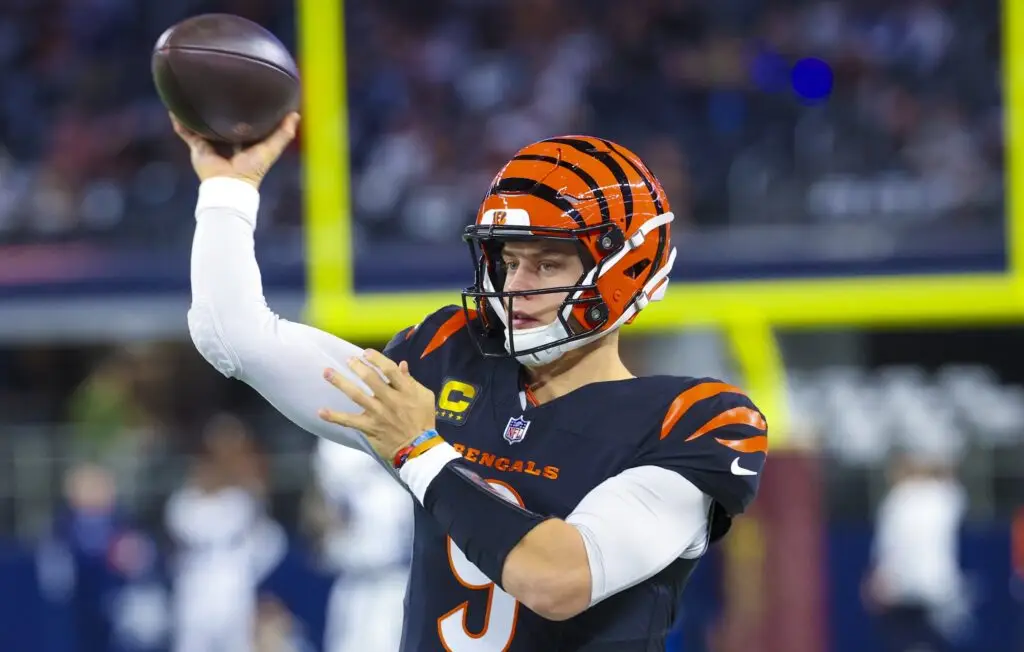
(596, 193)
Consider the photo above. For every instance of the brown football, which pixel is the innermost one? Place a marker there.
(225, 77)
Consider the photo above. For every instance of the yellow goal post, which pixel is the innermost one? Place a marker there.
(749, 312)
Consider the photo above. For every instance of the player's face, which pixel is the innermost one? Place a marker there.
(536, 266)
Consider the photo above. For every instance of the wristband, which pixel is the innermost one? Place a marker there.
(424, 442)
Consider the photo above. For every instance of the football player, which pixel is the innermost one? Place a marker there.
(562, 503)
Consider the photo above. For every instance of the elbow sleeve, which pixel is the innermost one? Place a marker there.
(209, 341)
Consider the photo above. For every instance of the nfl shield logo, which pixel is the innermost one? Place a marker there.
(516, 429)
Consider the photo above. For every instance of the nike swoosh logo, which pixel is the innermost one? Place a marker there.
(739, 470)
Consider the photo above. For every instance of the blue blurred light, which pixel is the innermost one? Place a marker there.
(812, 79)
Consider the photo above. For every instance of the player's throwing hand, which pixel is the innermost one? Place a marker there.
(399, 410)
(250, 164)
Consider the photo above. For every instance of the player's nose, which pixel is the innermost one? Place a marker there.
(518, 280)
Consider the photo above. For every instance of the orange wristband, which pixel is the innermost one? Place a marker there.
(424, 447)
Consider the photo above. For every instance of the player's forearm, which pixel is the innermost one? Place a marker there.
(542, 562)
(226, 282)
(548, 571)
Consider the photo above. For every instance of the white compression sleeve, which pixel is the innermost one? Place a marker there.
(638, 522)
(237, 333)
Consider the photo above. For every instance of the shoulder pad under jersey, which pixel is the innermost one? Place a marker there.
(712, 434)
(426, 339)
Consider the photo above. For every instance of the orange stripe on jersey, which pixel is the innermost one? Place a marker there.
(686, 400)
(757, 444)
(454, 324)
(738, 416)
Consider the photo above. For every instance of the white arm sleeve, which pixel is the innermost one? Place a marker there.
(237, 333)
(637, 523)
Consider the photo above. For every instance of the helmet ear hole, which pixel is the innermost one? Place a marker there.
(636, 269)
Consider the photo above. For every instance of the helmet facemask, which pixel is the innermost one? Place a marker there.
(579, 318)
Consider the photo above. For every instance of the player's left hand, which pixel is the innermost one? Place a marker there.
(399, 410)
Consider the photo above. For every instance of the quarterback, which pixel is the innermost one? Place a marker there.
(561, 503)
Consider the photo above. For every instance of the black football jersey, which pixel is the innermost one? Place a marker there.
(547, 458)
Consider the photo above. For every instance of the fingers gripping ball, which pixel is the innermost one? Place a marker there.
(225, 78)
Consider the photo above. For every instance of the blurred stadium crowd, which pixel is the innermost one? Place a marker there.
(441, 93)
(98, 442)
(84, 141)
(701, 90)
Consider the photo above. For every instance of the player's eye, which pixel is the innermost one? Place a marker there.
(548, 266)
(508, 265)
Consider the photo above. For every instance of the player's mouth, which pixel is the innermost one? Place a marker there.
(521, 320)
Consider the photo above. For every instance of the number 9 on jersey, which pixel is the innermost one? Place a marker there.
(502, 609)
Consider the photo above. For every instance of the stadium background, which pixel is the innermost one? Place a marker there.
(850, 250)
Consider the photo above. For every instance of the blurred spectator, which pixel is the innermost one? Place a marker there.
(104, 409)
(916, 586)
(119, 416)
(115, 582)
(91, 521)
(225, 542)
